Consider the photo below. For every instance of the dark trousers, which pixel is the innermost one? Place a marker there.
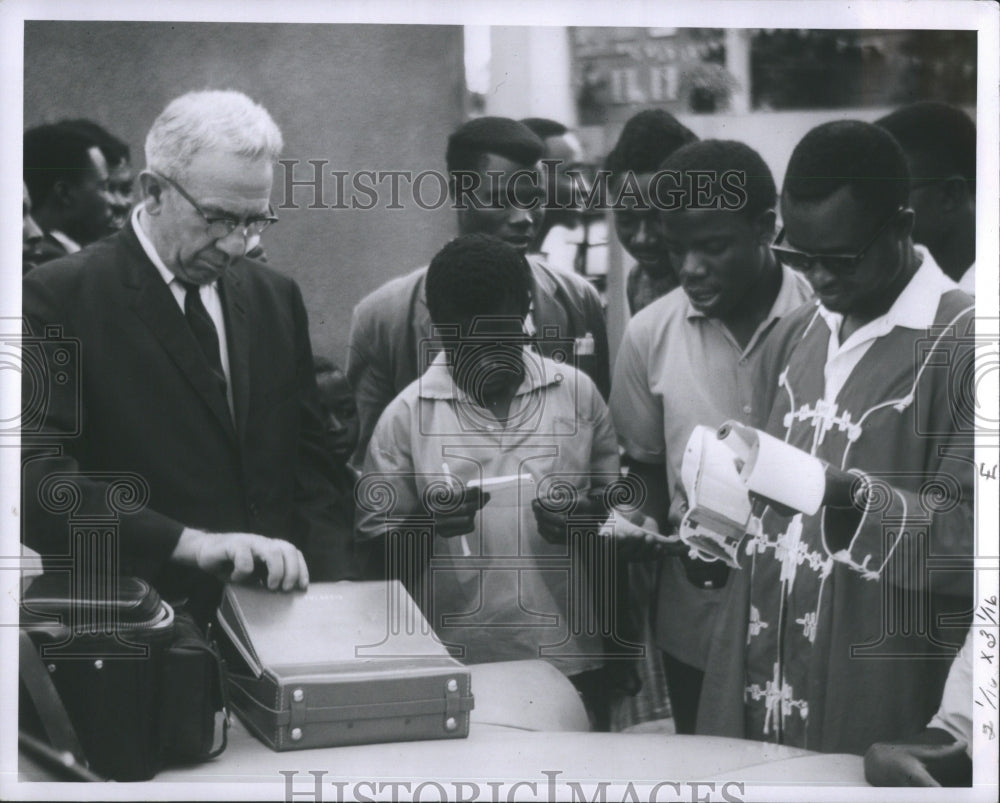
(684, 688)
(593, 687)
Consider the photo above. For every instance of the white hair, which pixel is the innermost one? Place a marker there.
(224, 120)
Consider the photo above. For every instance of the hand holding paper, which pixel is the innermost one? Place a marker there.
(638, 538)
(458, 517)
(553, 515)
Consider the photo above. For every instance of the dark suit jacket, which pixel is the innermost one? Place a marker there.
(44, 249)
(143, 402)
(391, 327)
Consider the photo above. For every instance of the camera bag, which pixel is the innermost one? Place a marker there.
(136, 685)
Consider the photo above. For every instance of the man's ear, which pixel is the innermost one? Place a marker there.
(954, 194)
(904, 223)
(151, 192)
(764, 227)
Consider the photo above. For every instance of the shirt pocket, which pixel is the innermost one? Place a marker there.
(572, 439)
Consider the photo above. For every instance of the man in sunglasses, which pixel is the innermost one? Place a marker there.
(852, 613)
(194, 378)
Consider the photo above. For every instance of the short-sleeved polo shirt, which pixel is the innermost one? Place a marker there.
(677, 368)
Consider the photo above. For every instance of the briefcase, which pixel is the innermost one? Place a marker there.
(339, 664)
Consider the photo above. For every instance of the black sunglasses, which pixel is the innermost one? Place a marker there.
(835, 263)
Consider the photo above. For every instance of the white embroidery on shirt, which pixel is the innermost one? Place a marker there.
(790, 550)
(776, 693)
(756, 623)
(808, 622)
(824, 418)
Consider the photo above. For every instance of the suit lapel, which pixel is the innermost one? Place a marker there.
(234, 303)
(547, 311)
(156, 307)
(422, 347)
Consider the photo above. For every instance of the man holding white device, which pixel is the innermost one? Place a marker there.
(854, 583)
(686, 360)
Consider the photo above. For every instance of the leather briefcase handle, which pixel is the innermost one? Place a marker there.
(48, 705)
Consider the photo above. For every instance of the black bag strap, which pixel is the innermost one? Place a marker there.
(221, 688)
(48, 705)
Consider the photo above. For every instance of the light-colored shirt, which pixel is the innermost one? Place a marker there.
(209, 294)
(71, 245)
(559, 431)
(968, 280)
(955, 713)
(676, 369)
(562, 247)
(914, 308)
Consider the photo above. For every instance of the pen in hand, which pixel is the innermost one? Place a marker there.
(466, 551)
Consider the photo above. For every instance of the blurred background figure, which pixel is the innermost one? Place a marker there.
(572, 237)
(67, 179)
(121, 176)
(939, 142)
(339, 410)
(340, 417)
(31, 234)
(647, 139)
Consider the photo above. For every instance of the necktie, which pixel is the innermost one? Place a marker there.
(204, 330)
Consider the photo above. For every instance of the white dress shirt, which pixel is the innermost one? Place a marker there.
(209, 297)
(968, 280)
(915, 308)
(71, 245)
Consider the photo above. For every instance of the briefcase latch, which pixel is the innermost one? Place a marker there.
(298, 712)
(452, 703)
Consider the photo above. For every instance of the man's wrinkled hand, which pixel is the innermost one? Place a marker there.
(241, 557)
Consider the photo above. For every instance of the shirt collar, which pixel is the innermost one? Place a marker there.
(437, 382)
(71, 245)
(786, 300)
(915, 308)
(148, 247)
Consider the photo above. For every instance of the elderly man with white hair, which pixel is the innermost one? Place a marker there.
(194, 386)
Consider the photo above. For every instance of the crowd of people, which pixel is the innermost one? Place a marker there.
(481, 445)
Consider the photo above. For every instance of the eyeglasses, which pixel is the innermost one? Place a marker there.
(221, 226)
(835, 263)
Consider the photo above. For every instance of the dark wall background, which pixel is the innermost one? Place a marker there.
(363, 97)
